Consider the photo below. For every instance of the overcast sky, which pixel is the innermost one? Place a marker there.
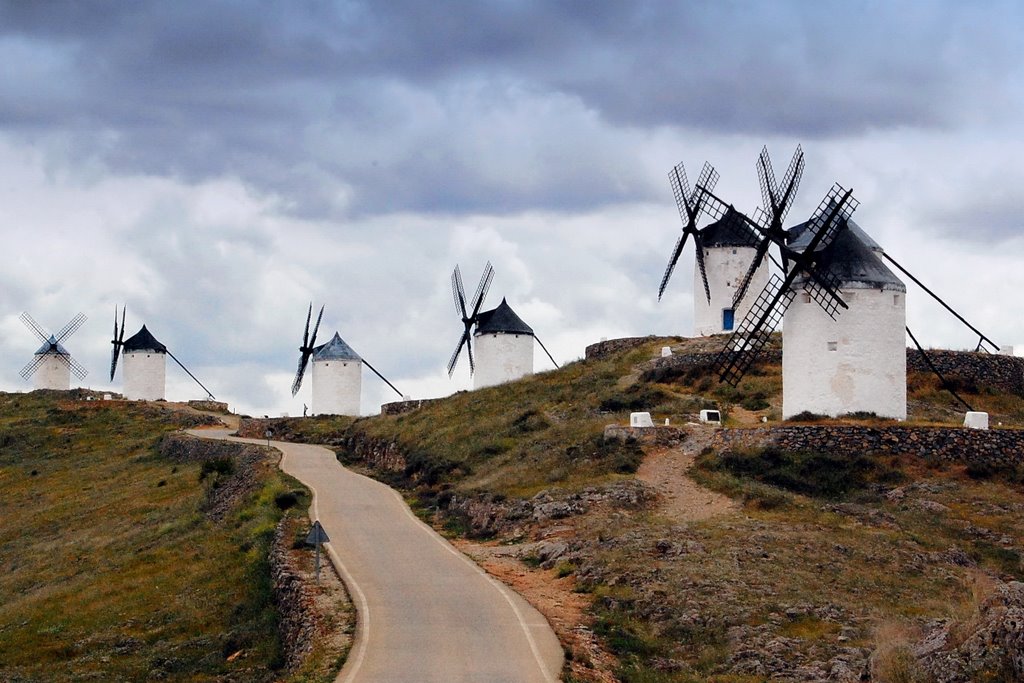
(216, 166)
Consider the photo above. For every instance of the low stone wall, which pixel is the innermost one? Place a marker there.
(610, 347)
(298, 620)
(984, 369)
(648, 436)
(402, 407)
(1000, 447)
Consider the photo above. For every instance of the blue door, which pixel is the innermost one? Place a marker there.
(727, 318)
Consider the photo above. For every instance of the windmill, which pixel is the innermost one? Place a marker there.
(770, 306)
(469, 319)
(51, 364)
(337, 372)
(145, 363)
(691, 204)
(504, 342)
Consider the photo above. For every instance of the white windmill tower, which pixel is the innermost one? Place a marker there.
(855, 362)
(145, 363)
(504, 342)
(337, 372)
(51, 364)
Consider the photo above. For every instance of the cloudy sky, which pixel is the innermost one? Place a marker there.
(216, 166)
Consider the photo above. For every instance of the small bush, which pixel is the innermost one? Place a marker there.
(813, 474)
(220, 466)
(806, 416)
(286, 500)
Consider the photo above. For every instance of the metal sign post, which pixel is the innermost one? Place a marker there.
(269, 433)
(316, 536)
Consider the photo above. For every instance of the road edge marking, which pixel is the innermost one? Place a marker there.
(500, 587)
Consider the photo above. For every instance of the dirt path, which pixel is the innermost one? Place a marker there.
(680, 497)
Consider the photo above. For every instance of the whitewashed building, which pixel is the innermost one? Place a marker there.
(337, 378)
(144, 368)
(727, 256)
(857, 362)
(54, 369)
(503, 345)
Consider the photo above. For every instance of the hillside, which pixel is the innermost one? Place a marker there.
(128, 556)
(810, 565)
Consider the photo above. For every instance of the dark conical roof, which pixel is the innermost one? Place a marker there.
(336, 349)
(51, 346)
(800, 236)
(854, 262)
(501, 319)
(731, 230)
(143, 340)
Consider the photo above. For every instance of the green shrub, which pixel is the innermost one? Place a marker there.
(222, 465)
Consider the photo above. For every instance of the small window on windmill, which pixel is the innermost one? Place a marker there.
(733, 251)
(895, 299)
(807, 298)
(833, 346)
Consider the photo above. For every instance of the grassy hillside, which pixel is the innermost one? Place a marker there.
(822, 563)
(109, 567)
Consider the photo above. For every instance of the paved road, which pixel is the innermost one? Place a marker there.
(426, 612)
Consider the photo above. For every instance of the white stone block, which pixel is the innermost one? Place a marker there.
(640, 420)
(711, 416)
(666, 351)
(974, 419)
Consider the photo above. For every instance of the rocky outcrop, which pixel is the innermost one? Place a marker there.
(990, 646)
(377, 453)
(488, 515)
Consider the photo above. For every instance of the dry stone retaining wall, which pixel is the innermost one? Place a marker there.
(999, 447)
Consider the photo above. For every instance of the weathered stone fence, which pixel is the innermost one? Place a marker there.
(983, 369)
(402, 407)
(999, 447)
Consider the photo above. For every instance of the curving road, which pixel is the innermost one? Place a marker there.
(427, 614)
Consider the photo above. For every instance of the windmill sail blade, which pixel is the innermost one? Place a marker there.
(681, 192)
(31, 324)
(76, 367)
(33, 365)
(71, 327)
(455, 356)
(459, 293)
(316, 328)
(481, 289)
(191, 375)
(367, 364)
(469, 352)
(698, 244)
(305, 334)
(553, 362)
(762, 249)
(680, 243)
(766, 179)
(300, 371)
(117, 341)
(791, 182)
(754, 331)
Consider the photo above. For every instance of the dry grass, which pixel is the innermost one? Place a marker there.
(108, 569)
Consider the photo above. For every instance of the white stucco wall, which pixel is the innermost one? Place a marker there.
(337, 385)
(53, 373)
(725, 270)
(867, 371)
(501, 358)
(145, 374)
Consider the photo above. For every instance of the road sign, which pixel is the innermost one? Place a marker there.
(317, 535)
